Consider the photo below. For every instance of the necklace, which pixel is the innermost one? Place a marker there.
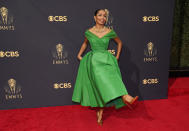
(99, 30)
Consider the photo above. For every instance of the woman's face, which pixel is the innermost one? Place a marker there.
(101, 17)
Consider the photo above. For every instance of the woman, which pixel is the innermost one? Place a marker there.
(99, 81)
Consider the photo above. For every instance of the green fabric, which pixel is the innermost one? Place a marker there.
(99, 81)
(179, 59)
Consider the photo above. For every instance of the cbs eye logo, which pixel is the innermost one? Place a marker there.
(151, 18)
(61, 85)
(57, 18)
(9, 54)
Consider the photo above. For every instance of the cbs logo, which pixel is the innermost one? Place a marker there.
(57, 18)
(62, 85)
(150, 81)
(9, 54)
(151, 18)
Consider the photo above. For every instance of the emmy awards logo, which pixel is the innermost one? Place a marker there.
(150, 52)
(59, 50)
(6, 20)
(12, 90)
(59, 55)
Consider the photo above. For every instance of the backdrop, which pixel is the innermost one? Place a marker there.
(40, 41)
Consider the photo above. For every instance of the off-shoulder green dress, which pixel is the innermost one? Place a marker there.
(99, 81)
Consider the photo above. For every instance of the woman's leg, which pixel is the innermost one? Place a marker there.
(99, 112)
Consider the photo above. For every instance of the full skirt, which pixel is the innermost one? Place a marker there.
(99, 81)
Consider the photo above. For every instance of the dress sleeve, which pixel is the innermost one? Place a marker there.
(85, 34)
(113, 34)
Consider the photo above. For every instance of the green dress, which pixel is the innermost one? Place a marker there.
(99, 81)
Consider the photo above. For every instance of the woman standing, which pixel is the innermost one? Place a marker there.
(99, 81)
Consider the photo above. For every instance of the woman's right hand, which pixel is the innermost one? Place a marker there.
(79, 57)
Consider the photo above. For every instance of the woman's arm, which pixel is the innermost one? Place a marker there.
(119, 46)
(82, 49)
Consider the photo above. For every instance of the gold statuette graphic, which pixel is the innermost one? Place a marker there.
(12, 91)
(59, 50)
(6, 20)
(12, 85)
(150, 52)
(59, 55)
(150, 48)
(4, 14)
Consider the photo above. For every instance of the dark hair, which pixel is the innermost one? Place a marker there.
(97, 11)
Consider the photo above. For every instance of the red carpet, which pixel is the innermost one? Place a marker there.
(170, 114)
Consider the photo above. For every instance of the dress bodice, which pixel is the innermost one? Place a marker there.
(99, 43)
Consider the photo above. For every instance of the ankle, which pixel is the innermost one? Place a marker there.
(128, 98)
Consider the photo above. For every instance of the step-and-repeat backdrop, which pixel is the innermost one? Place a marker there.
(40, 40)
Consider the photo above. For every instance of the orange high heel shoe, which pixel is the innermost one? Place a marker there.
(134, 100)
